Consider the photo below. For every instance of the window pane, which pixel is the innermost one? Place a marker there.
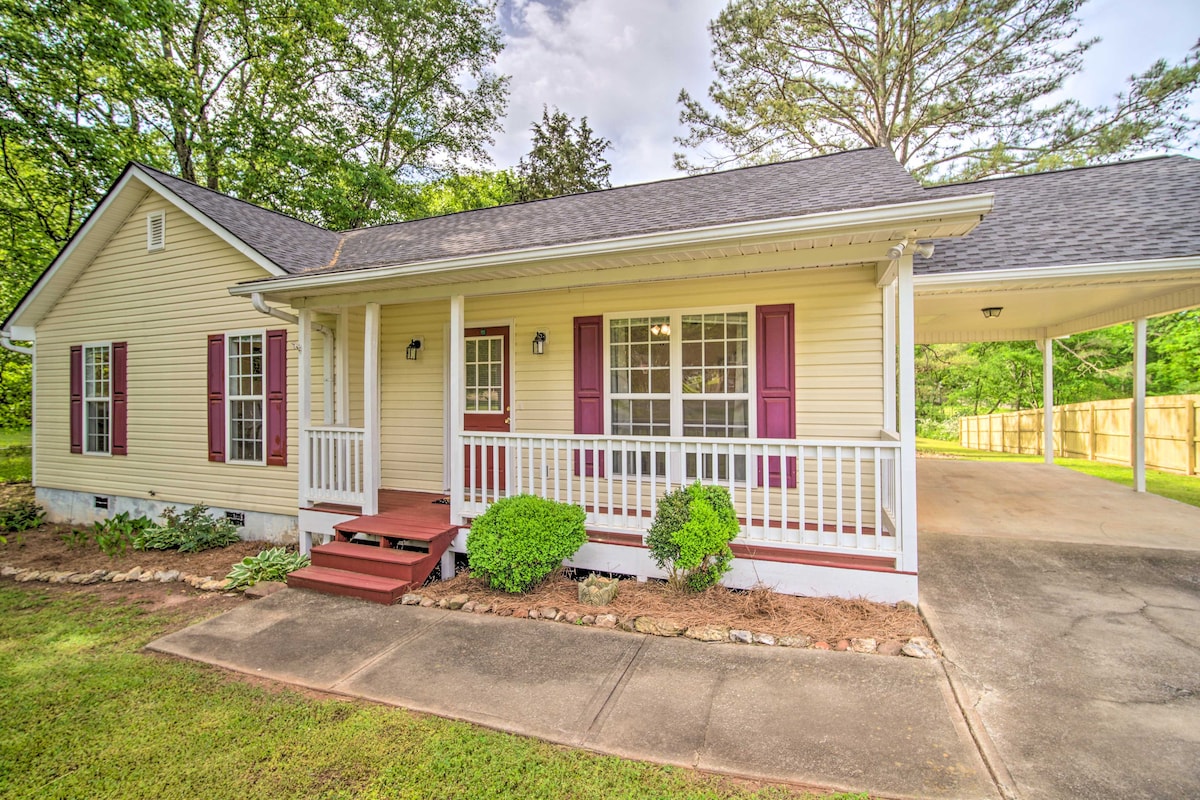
(714, 354)
(693, 354)
(693, 381)
(660, 381)
(471, 350)
(620, 381)
(639, 381)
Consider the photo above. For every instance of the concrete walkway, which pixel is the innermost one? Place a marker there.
(889, 726)
(1072, 630)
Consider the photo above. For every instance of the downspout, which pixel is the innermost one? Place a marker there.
(6, 343)
(260, 305)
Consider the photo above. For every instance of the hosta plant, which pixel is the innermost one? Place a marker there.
(269, 565)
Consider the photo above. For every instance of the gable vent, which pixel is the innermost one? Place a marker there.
(156, 230)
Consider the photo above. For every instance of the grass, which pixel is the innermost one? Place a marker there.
(87, 714)
(16, 459)
(1184, 488)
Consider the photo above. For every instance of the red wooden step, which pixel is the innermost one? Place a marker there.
(373, 560)
(348, 584)
(395, 528)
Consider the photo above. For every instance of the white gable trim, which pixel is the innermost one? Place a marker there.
(82, 247)
(949, 280)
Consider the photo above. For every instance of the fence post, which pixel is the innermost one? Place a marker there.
(1091, 439)
(1190, 436)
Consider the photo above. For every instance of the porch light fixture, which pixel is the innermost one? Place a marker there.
(413, 348)
(992, 311)
(539, 343)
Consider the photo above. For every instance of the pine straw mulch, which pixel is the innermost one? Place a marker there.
(825, 619)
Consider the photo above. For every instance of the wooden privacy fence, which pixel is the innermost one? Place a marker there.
(1097, 431)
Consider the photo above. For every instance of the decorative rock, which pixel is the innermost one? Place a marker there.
(168, 576)
(7, 571)
(708, 633)
(820, 645)
(27, 575)
(765, 638)
(88, 580)
(549, 612)
(213, 586)
(60, 577)
(428, 602)
(597, 591)
(918, 648)
(133, 574)
(443, 603)
(504, 612)
(606, 621)
(657, 627)
(794, 641)
(482, 608)
(78, 577)
(626, 624)
(533, 614)
(904, 605)
(520, 613)
(587, 619)
(842, 646)
(469, 605)
(145, 577)
(455, 602)
(890, 648)
(741, 637)
(864, 645)
(264, 589)
(110, 575)
(411, 599)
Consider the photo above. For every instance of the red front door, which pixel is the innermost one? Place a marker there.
(487, 405)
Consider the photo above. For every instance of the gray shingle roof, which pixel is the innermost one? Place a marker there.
(291, 244)
(1129, 211)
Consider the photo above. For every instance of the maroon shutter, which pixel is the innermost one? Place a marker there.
(120, 408)
(216, 397)
(76, 398)
(589, 381)
(276, 368)
(777, 383)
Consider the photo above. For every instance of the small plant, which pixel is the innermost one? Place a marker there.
(20, 515)
(691, 534)
(190, 532)
(118, 533)
(78, 537)
(269, 565)
(520, 540)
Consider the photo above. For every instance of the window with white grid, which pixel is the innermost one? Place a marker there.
(639, 389)
(245, 397)
(97, 399)
(485, 375)
(715, 366)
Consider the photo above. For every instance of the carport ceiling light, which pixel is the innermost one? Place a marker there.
(992, 311)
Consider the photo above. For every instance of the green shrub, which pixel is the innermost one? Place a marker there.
(691, 533)
(520, 540)
(269, 565)
(78, 537)
(20, 515)
(190, 532)
(119, 532)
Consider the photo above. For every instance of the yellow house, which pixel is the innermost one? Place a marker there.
(752, 328)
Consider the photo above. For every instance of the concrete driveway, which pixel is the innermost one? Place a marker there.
(1069, 611)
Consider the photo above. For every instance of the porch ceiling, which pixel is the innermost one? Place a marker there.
(1053, 303)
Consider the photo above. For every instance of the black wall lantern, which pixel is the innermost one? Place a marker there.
(539, 343)
(413, 348)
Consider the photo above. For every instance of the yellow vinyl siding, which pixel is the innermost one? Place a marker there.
(839, 359)
(164, 304)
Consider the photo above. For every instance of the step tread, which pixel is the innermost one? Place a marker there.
(413, 530)
(372, 553)
(341, 577)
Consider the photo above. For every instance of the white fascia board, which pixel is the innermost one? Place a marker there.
(950, 280)
(231, 240)
(896, 215)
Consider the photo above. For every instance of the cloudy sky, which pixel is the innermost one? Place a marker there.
(621, 63)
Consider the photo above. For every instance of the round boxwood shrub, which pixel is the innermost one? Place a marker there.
(520, 540)
(690, 536)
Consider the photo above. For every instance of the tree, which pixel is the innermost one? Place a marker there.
(467, 192)
(565, 159)
(958, 89)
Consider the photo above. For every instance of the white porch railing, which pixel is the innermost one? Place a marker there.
(833, 496)
(334, 464)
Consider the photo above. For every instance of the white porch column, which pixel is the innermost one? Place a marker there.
(327, 362)
(341, 361)
(1047, 349)
(304, 392)
(1138, 429)
(907, 415)
(455, 404)
(371, 463)
(889, 357)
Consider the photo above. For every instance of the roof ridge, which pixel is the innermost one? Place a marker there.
(1122, 163)
(157, 171)
(657, 182)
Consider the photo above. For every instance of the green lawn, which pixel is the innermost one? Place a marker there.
(1184, 488)
(86, 713)
(16, 463)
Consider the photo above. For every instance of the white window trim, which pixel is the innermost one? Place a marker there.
(151, 244)
(505, 360)
(229, 397)
(677, 395)
(106, 400)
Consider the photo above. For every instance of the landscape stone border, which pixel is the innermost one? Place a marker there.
(915, 647)
(134, 575)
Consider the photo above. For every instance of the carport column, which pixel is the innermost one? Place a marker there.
(1138, 428)
(1047, 349)
(371, 463)
(908, 416)
(458, 377)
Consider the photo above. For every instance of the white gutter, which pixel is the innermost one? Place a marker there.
(1111, 268)
(896, 215)
(260, 305)
(6, 343)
